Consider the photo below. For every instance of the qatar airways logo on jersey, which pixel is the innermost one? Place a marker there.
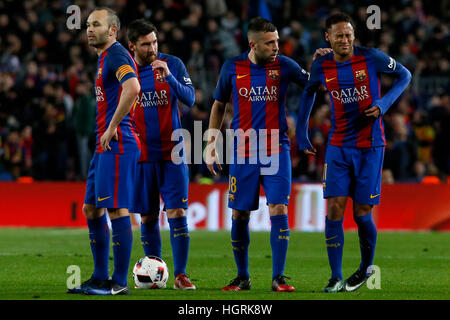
(349, 95)
(99, 94)
(153, 98)
(259, 93)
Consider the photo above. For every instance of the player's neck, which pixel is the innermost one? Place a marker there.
(105, 47)
(251, 56)
(139, 61)
(254, 60)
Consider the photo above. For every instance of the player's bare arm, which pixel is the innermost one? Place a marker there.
(215, 122)
(130, 91)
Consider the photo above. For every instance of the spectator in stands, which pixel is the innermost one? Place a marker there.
(42, 63)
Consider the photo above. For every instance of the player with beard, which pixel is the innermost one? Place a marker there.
(257, 82)
(164, 83)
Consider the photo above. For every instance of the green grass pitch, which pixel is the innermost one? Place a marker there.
(34, 266)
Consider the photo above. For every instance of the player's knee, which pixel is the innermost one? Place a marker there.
(149, 218)
(241, 215)
(118, 213)
(277, 209)
(362, 210)
(89, 211)
(176, 213)
(336, 210)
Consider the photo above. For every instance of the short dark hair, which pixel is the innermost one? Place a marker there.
(113, 19)
(138, 28)
(336, 18)
(260, 24)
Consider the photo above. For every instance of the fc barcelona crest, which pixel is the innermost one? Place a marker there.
(274, 74)
(160, 78)
(360, 75)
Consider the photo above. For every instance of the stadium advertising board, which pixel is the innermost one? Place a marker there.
(404, 207)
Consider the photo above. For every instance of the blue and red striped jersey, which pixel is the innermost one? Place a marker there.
(156, 113)
(258, 93)
(354, 86)
(115, 66)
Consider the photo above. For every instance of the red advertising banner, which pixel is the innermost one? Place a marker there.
(403, 207)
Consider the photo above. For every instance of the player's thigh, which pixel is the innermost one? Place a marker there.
(337, 173)
(173, 182)
(277, 185)
(244, 186)
(368, 176)
(114, 179)
(146, 191)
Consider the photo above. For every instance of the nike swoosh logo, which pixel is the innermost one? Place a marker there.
(101, 199)
(242, 76)
(284, 230)
(114, 292)
(184, 200)
(178, 229)
(330, 238)
(350, 288)
(331, 79)
(374, 196)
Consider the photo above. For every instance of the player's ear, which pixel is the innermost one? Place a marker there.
(327, 36)
(131, 46)
(252, 44)
(113, 30)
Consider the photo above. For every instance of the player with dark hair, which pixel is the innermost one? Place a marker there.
(164, 82)
(112, 169)
(355, 151)
(257, 82)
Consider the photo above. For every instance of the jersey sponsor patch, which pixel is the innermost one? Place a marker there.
(392, 64)
(187, 80)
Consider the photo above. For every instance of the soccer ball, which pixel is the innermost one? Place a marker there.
(150, 273)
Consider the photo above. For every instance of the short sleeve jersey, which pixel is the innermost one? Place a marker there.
(115, 66)
(258, 93)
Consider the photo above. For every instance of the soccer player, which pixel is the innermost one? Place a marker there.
(112, 169)
(164, 82)
(355, 151)
(257, 82)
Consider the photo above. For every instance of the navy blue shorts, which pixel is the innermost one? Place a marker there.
(245, 181)
(354, 172)
(110, 181)
(164, 178)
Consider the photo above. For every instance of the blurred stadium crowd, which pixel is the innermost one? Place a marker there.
(47, 104)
